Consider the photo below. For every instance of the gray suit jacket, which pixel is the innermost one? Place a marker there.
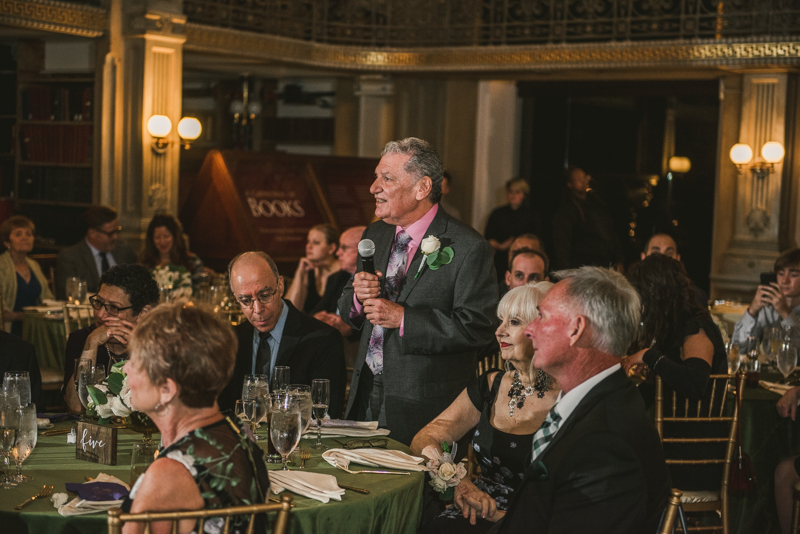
(78, 260)
(449, 319)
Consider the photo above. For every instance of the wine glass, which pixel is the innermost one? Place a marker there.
(76, 290)
(19, 382)
(86, 374)
(787, 360)
(286, 425)
(303, 394)
(9, 424)
(734, 358)
(255, 389)
(751, 349)
(26, 439)
(246, 412)
(320, 398)
(280, 378)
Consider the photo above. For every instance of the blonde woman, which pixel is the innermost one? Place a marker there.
(505, 408)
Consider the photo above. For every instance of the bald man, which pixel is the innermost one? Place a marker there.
(527, 266)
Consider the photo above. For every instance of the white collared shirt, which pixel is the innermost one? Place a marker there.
(98, 261)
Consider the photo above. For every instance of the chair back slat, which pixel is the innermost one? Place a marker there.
(77, 317)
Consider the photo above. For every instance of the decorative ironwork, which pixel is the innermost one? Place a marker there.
(61, 17)
(433, 23)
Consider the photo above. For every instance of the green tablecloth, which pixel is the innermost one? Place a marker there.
(46, 334)
(394, 504)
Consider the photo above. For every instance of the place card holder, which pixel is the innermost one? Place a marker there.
(96, 443)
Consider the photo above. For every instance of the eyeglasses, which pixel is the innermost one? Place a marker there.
(264, 297)
(112, 310)
(112, 233)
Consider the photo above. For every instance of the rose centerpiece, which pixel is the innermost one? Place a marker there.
(111, 398)
(174, 281)
(445, 472)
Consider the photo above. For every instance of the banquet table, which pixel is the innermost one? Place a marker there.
(394, 504)
(46, 333)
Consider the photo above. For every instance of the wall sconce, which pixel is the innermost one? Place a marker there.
(680, 164)
(159, 127)
(772, 152)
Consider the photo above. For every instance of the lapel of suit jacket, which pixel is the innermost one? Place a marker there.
(290, 337)
(437, 228)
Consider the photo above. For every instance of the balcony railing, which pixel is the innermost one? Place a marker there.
(436, 23)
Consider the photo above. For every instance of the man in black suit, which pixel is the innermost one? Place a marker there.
(597, 461)
(95, 254)
(17, 354)
(276, 333)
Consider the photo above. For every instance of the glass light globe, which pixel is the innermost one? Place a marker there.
(189, 128)
(159, 126)
(680, 164)
(741, 154)
(772, 152)
(236, 107)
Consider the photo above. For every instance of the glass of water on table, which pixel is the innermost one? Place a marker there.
(255, 388)
(286, 425)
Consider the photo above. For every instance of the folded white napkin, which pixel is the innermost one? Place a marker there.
(316, 486)
(780, 389)
(78, 506)
(338, 428)
(43, 422)
(374, 458)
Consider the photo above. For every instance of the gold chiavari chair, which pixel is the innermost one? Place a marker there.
(671, 513)
(493, 361)
(709, 418)
(77, 316)
(116, 518)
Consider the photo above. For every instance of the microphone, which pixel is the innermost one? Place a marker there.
(366, 249)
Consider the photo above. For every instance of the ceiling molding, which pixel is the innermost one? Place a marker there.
(58, 17)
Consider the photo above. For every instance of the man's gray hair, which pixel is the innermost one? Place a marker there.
(424, 161)
(609, 302)
(258, 253)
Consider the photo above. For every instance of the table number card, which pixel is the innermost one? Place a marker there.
(96, 444)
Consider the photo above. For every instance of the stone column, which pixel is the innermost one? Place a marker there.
(144, 67)
(376, 113)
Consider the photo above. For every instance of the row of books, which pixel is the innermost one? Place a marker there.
(65, 143)
(55, 184)
(57, 103)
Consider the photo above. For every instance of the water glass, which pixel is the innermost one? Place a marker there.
(751, 350)
(280, 379)
(27, 435)
(303, 394)
(320, 399)
(9, 425)
(18, 383)
(286, 425)
(787, 360)
(734, 358)
(143, 454)
(255, 389)
(86, 374)
(76, 290)
(246, 412)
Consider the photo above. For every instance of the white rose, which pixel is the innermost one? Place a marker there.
(125, 392)
(186, 459)
(118, 407)
(447, 471)
(104, 410)
(438, 484)
(430, 245)
(100, 387)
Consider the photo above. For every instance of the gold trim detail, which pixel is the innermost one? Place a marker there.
(59, 17)
(203, 38)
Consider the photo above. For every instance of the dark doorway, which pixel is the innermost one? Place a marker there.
(622, 133)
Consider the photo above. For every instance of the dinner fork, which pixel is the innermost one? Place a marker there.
(343, 468)
(305, 454)
(44, 492)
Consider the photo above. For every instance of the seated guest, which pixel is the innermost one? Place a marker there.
(678, 340)
(127, 292)
(95, 254)
(597, 463)
(17, 354)
(318, 274)
(664, 244)
(277, 333)
(503, 436)
(180, 358)
(22, 282)
(165, 244)
(530, 241)
(777, 304)
(526, 266)
(787, 474)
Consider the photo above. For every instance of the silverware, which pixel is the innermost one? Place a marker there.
(56, 431)
(340, 466)
(353, 488)
(45, 492)
(305, 454)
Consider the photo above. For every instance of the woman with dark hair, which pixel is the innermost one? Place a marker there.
(22, 282)
(181, 359)
(678, 341)
(318, 276)
(127, 292)
(165, 244)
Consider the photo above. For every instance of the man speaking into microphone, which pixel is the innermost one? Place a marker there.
(422, 322)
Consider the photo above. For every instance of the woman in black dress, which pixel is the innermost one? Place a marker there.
(502, 411)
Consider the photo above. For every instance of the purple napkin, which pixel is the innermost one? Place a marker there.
(98, 491)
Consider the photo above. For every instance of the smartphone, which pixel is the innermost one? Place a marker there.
(768, 278)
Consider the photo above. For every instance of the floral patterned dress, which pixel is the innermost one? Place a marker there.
(228, 468)
(500, 455)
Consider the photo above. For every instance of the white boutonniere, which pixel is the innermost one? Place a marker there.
(435, 255)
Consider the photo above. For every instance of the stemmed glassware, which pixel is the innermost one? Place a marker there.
(246, 411)
(255, 389)
(320, 399)
(26, 439)
(18, 383)
(9, 425)
(302, 393)
(86, 374)
(280, 379)
(787, 360)
(751, 349)
(76, 290)
(286, 425)
(734, 358)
